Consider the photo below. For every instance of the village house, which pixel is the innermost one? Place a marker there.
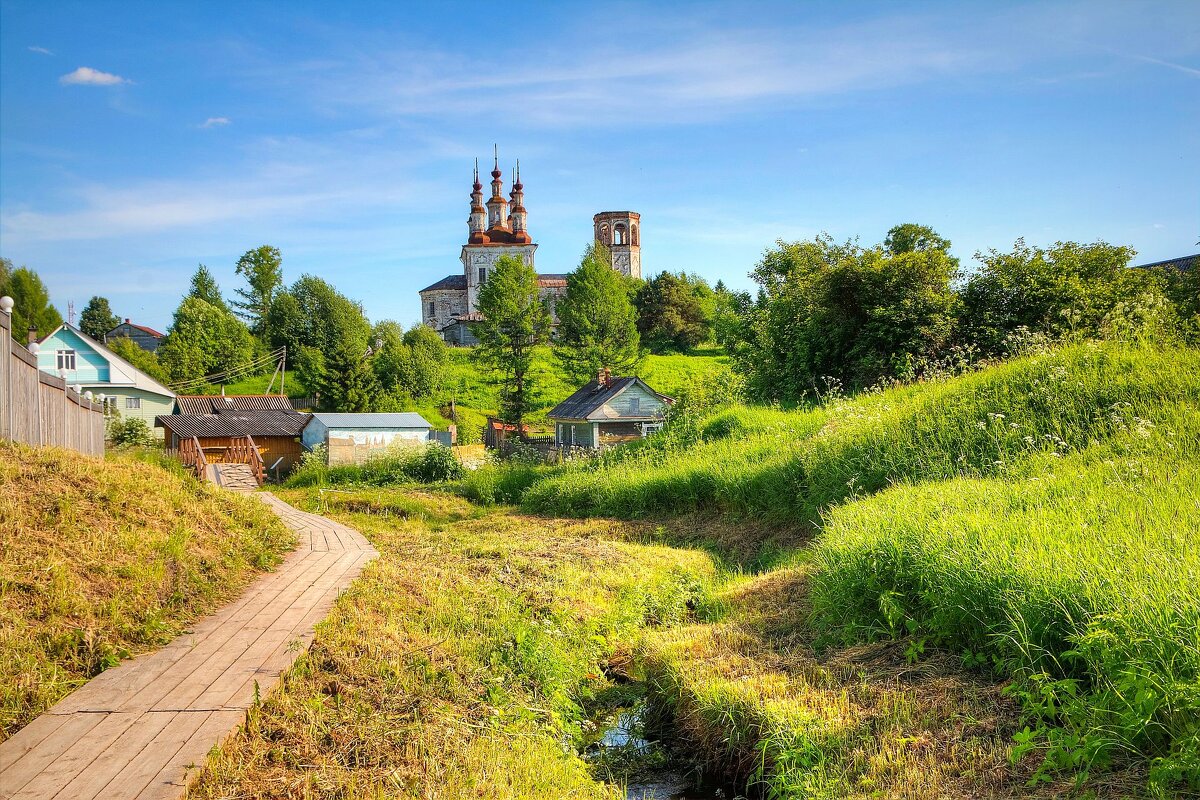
(144, 337)
(80, 360)
(608, 411)
(354, 438)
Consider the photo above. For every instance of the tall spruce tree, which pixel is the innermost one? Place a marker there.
(597, 321)
(515, 321)
(204, 287)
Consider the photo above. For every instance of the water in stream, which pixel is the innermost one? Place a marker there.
(651, 770)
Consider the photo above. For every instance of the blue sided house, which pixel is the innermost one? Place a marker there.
(91, 366)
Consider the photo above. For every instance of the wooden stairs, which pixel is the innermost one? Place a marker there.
(235, 477)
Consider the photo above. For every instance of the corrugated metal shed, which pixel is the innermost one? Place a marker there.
(233, 423)
(216, 403)
(405, 419)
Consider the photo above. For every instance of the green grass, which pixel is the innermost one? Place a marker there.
(102, 559)
(1038, 517)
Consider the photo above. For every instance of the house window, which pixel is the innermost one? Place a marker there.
(133, 402)
(482, 274)
(635, 405)
(66, 359)
(651, 427)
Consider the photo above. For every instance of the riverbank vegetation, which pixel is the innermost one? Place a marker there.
(103, 559)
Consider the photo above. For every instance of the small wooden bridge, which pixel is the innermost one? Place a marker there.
(237, 465)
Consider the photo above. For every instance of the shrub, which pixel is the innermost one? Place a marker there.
(434, 464)
(129, 432)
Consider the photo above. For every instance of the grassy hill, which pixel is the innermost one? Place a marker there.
(1041, 518)
(102, 559)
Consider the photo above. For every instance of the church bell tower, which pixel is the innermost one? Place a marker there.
(619, 231)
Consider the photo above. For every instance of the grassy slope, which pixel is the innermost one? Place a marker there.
(460, 661)
(1040, 516)
(101, 559)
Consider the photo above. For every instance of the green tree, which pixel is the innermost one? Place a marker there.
(844, 313)
(597, 321)
(347, 383)
(312, 313)
(203, 340)
(31, 301)
(144, 360)
(262, 268)
(730, 317)
(671, 312)
(97, 318)
(515, 321)
(204, 287)
(910, 237)
(1064, 290)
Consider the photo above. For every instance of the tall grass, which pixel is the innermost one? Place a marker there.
(1080, 578)
(790, 465)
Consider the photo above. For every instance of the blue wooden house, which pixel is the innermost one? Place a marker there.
(608, 411)
(84, 362)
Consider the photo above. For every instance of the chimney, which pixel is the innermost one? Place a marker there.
(604, 377)
(127, 320)
(32, 336)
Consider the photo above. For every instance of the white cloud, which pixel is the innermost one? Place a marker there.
(41, 50)
(213, 122)
(86, 76)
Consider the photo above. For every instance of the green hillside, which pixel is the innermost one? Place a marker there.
(1041, 518)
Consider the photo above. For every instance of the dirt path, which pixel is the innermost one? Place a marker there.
(139, 729)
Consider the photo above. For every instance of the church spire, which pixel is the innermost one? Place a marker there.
(497, 205)
(518, 216)
(477, 222)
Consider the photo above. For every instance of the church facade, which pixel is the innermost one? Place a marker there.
(499, 228)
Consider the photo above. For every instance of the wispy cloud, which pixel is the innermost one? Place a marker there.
(1195, 73)
(86, 76)
(40, 50)
(214, 122)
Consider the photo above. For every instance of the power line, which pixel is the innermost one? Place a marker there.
(240, 370)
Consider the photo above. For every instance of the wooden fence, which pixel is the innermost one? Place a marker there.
(38, 408)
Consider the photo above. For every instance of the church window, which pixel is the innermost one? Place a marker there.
(619, 235)
(482, 274)
(431, 308)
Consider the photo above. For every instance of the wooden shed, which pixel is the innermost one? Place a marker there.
(607, 411)
(275, 433)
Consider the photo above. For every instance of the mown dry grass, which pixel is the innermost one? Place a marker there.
(460, 661)
(102, 559)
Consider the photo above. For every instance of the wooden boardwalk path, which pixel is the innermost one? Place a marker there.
(139, 729)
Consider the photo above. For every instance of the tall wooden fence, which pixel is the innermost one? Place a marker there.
(39, 408)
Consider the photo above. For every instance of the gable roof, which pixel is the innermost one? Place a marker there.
(404, 419)
(234, 423)
(592, 397)
(143, 328)
(218, 403)
(120, 371)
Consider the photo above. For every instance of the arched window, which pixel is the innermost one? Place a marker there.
(619, 234)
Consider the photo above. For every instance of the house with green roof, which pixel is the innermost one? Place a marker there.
(71, 354)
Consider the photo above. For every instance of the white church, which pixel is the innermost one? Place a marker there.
(501, 229)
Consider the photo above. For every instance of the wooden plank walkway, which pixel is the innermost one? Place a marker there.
(138, 729)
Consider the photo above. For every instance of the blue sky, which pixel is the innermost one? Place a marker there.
(139, 139)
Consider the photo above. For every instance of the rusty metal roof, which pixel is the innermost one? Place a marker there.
(216, 403)
(234, 423)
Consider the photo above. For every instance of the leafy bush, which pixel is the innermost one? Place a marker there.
(130, 432)
(433, 463)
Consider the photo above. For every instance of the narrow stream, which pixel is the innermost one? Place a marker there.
(623, 751)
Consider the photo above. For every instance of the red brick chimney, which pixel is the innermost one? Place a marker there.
(32, 335)
(604, 377)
